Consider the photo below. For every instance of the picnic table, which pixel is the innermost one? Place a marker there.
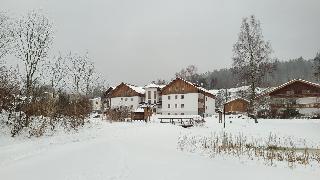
(171, 119)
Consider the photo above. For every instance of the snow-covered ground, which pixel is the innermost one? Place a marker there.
(139, 150)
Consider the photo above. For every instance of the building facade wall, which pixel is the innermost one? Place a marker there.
(308, 106)
(210, 106)
(154, 95)
(236, 106)
(299, 95)
(96, 104)
(188, 105)
(132, 102)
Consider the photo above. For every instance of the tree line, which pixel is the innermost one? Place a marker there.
(46, 91)
(284, 71)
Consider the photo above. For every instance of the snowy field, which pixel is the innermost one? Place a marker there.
(139, 150)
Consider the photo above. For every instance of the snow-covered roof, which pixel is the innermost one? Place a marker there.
(152, 85)
(214, 91)
(237, 89)
(196, 86)
(139, 110)
(236, 98)
(270, 90)
(137, 89)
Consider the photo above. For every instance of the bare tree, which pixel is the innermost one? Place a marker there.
(33, 37)
(57, 72)
(188, 73)
(83, 74)
(251, 56)
(77, 67)
(5, 35)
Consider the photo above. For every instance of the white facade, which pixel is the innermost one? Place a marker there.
(96, 104)
(186, 104)
(132, 102)
(180, 104)
(210, 104)
(152, 95)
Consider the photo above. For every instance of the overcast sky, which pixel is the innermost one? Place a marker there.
(138, 41)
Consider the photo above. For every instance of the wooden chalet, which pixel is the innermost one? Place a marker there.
(297, 94)
(236, 106)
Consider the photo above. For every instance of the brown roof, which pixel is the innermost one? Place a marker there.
(199, 88)
(286, 84)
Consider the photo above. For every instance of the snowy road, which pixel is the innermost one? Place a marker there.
(126, 151)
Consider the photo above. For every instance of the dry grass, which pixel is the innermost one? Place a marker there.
(271, 151)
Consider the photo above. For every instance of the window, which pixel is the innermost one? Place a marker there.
(149, 101)
(121, 99)
(168, 113)
(291, 92)
(176, 96)
(206, 107)
(154, 94)
(149, 94)
(168, 105)
(126, 99)
(182, 96)
(182, 105)
(305, 91)
(176, 105)
(182, 113)
(168, 97)
(175, 114)
(206, 98)
(131, 99)
(154, 101)
(131, 106)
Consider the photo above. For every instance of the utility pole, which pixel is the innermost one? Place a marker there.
(224, 116)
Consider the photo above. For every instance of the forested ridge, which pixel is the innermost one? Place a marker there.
(284, 71)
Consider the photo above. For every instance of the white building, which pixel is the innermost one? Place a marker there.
(126, 95)
(96, 104)
(181, 97)
(153, 97)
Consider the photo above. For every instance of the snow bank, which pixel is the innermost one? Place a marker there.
(142, 150)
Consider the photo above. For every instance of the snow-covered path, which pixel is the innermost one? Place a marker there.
(126, 151)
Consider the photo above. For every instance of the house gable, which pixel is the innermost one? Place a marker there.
(237, 105)
(179, 86)
(123, 90)
(297, 88)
